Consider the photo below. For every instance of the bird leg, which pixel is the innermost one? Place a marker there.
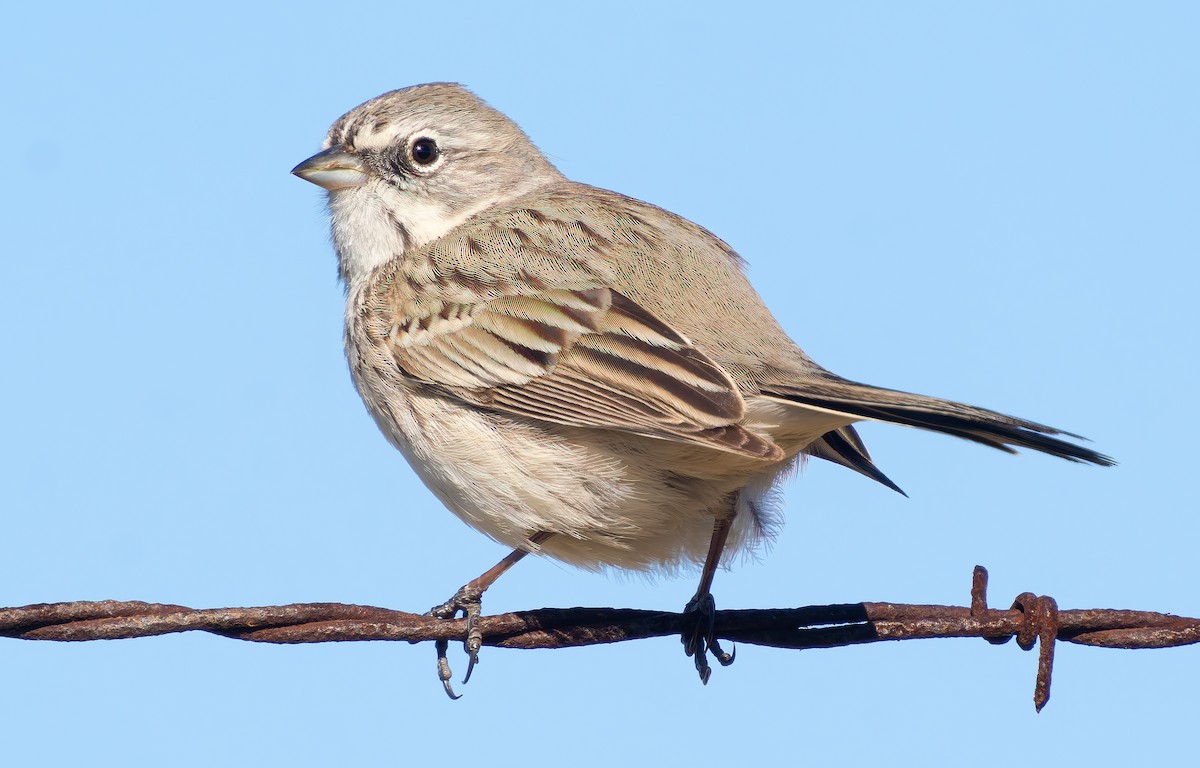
(469, 600)
(700, 640)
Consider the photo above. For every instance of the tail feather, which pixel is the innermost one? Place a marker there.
(968, 422)
(844, 446)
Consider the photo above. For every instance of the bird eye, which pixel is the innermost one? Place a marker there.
(424, 151)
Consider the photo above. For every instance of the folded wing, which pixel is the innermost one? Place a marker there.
(584, 358)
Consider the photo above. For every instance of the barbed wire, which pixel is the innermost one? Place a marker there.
(1032, 620)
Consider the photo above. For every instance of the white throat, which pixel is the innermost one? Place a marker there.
(375, 223)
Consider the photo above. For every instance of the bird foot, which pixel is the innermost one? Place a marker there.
(699, 640)
(468, 600)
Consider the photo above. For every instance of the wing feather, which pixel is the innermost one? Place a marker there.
(586, 358)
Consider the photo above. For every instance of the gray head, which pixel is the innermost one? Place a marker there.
(408, 166)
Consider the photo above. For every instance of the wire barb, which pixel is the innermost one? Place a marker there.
(1039, 623)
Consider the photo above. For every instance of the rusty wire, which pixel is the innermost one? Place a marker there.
(1033, 620)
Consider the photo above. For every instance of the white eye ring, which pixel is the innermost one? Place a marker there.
(424, 151)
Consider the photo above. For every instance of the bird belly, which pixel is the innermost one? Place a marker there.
(610, 498)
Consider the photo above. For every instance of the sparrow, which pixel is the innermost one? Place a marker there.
(574, 372)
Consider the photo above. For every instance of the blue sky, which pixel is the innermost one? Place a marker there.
(995, 202)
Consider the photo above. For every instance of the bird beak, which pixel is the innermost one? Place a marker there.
(335, 168)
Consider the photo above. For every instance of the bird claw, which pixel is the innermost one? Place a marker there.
(443, 668)
(700, 641)
(469, 602)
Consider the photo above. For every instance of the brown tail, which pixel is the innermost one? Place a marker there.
(830, 393)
